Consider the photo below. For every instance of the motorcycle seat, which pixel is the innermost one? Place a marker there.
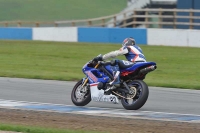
(125, 64)
(122, 63)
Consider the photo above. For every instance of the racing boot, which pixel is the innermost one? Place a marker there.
(116, 81)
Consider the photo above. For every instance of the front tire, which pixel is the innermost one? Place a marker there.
(141, 96)
(80, 96)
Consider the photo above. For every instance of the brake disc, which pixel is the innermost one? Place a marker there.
(133, 92)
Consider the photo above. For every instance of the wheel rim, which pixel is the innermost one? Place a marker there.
(81, 93)
(137, 95)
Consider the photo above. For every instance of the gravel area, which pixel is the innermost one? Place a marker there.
(93, 123)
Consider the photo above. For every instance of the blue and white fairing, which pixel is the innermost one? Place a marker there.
(94, 75)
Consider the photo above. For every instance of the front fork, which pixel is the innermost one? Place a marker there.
(85, 80)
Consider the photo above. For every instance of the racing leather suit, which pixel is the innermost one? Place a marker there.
(132, 53)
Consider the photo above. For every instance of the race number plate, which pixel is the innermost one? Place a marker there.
(98, 95)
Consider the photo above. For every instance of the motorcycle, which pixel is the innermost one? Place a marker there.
(133, 92)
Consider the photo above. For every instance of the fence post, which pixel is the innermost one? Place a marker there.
(174, 16)
(191, 19)
(124, 20)
(146, 18)
(6, 24)
(37, 24)
(134, 18)
(89, 23)
(103, 22)
(160, 17)
(115, 20)
(73, 24)
(19, 24)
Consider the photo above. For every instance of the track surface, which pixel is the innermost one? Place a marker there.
(57, 93)
(169, 100)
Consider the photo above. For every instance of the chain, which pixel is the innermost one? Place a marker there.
(125, 97)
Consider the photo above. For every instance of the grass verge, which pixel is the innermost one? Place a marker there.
(28, 129)
(178, 67)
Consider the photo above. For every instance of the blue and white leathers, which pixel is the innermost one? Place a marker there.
(132, 53)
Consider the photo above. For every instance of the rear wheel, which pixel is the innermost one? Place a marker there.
(80, 96)
(140, 95)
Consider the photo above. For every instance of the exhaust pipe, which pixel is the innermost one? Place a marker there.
(147, 69)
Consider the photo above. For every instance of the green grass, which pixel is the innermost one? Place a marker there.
(34, 129)
(49, 10)
(178, 67)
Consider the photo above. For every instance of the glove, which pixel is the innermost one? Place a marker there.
(98, 58)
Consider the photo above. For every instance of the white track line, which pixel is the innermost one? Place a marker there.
(95, 111)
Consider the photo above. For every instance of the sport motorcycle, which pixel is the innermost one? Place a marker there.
(132, 92)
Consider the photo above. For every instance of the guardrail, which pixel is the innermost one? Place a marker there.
(161, 17)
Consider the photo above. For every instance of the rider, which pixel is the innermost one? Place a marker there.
(132, 52)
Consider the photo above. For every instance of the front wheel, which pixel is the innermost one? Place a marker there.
(80, 96)
(141, 92)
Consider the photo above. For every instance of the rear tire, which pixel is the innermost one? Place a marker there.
(80, 93)
(141, 97)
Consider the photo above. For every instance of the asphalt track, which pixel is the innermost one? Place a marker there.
(182, 101)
